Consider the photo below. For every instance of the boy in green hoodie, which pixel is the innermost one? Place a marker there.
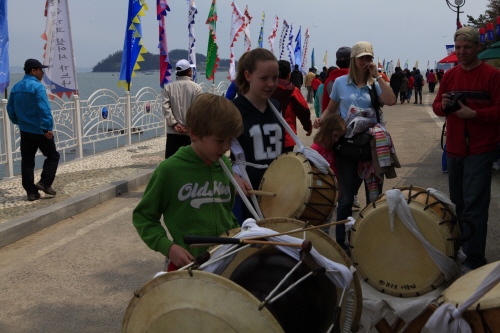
(190, 189)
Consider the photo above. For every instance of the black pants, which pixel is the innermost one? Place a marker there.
(396, 93)
(30, 143)
(174, 142)
(432, 85)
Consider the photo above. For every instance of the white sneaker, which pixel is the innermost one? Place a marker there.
(356, 203)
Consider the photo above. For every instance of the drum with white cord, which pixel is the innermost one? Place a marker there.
(302, 191)
(396, 262)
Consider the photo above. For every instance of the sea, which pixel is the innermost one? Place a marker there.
(88, 83)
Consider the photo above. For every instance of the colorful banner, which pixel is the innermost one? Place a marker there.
(290, 46)
(284, 32)
(246, 30)
(165, 66)
(272, 36)
(313, 63)
(304, 52)
(237, 24)
(132, 46)
(449, 49)
(398, 64)
(212, 49)
(297, 53)
(4, 47)
(325, 59)
(60, 77)
(192, 49)
(261, 34)
(416, 64)
(406, 64)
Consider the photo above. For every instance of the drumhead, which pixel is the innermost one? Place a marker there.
(464, 287)
(323, 243)
(290, 178)
(396, 262)
(204, 302)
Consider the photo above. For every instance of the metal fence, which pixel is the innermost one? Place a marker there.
(104, 121)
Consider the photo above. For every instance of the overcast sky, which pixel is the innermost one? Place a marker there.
(398, 29)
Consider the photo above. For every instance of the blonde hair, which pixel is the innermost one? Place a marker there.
(214, 115)
(354, 70)
(333, 122)
(248, 63)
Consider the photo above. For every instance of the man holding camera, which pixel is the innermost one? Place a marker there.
(472, 135)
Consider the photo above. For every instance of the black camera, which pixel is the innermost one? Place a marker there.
(453, 105)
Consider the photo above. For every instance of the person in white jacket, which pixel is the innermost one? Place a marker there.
(177, 98)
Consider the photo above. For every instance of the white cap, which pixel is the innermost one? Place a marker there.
(182, 65)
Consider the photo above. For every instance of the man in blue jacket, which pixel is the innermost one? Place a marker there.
(29, 108)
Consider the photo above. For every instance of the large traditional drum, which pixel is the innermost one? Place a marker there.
(484, 315)
(178, 302)
(302, 191)
(396, 263)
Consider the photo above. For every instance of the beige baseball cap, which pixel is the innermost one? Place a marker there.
(470, 34)
(361, 48)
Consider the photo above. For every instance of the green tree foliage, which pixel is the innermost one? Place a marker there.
(490, 16)
(152, 61)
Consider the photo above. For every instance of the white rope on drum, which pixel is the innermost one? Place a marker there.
(449, 319)
(397, 203)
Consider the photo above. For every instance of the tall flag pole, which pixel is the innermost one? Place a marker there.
(60, 76)
(297, 53)
(272, 36)
(132, 46)
(4, 48)
(306, 48)
(325, 59)
(237, 24)
(192, 49)
(261, 34)
(289, 46)
(165, 66)
(284, 32)
(246, 30)
(212, 48)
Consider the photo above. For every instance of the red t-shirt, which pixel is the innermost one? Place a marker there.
(482, 91)
(315, 84)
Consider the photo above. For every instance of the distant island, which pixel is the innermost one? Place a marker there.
(152, 61)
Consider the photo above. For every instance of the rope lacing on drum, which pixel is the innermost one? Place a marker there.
(484, 323)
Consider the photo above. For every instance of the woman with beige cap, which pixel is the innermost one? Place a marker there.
(354, 90)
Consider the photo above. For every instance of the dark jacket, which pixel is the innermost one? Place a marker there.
(296, 78)
(396, 79)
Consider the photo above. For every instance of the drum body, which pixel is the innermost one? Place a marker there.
(396, 262)
(325, 245)
(302, 191)
(484, 315)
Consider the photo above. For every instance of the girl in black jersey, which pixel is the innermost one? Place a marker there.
(263, 136)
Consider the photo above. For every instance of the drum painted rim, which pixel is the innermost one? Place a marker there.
(169, 303)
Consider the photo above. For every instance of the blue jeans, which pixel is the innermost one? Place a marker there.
(470, 190)
(408, 94)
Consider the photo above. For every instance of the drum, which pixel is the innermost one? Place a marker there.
(302, 191)
(484, 315)
(396, 263)
(204, 302)
(326, 246)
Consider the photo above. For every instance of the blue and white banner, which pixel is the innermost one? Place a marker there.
(289, 46)
(284, 32)
(4, 47)
(297, 53)
(449, 49)
(192, 50)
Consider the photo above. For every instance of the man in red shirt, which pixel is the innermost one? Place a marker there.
(472, 135)
(343, 58)
(293, 104)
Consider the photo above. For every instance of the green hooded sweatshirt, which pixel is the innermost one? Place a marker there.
(193, 197)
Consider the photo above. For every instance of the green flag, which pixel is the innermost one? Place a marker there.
(212, 57)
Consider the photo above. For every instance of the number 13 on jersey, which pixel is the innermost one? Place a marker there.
(274, 149)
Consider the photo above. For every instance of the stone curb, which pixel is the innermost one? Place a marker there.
(21, 227)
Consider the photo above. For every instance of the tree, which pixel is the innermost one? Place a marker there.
(490, 16)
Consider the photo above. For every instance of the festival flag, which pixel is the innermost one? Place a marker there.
(246, 30)
(305, 48)
(449, 49)
(261, 34)
(313, 63)
(60, 76)
(416, 64)
(272, 36)
(237, 23)
(289, 46)
(406, 64)
(379, 65)
(284, 32)
(387, 65)
(297, 53)
(192, 49)
(325, 59)
(212, 56)
(132, 46)
(398, 64)
(165, 66)
(4, 47)
(428, 64)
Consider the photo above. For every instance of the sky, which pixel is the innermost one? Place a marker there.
(398, 29)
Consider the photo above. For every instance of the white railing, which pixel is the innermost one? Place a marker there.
(104, 121)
